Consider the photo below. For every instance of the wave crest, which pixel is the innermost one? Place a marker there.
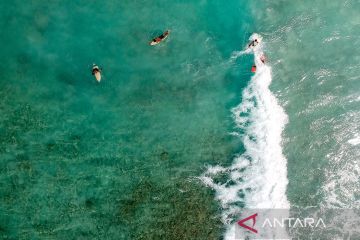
(258, 177)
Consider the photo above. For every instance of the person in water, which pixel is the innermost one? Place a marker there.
(96, 72)
(161, 37)
(95, 69)
(263, 58)
(253, 43)
(253, 68)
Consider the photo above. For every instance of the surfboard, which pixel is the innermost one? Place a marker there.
(97, 73)
(98, 76)
(158, 39)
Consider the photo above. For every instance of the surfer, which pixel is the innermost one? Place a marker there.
(253, 68)
(263, 58)
(253, 43)
(160, 38)
(96, 71)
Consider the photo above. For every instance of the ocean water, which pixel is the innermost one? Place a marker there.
(317, 82)
(176, 138)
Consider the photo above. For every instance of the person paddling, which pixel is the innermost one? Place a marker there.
(160, 38)
(96, 72)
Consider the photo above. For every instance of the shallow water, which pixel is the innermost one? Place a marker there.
(115, 160)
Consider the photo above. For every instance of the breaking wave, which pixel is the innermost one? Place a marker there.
(258, 177)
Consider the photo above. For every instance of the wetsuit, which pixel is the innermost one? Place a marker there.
(95, 70)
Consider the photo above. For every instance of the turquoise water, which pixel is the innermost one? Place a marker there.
(316, 72)
(121, 159)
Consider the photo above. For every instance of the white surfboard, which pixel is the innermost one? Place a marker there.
(97, 73)
(98, 76)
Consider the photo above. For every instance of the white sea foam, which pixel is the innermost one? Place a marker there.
(257, 178)
(354, 141)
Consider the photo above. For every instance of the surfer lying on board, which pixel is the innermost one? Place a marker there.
(160, 38)
(96, 71)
